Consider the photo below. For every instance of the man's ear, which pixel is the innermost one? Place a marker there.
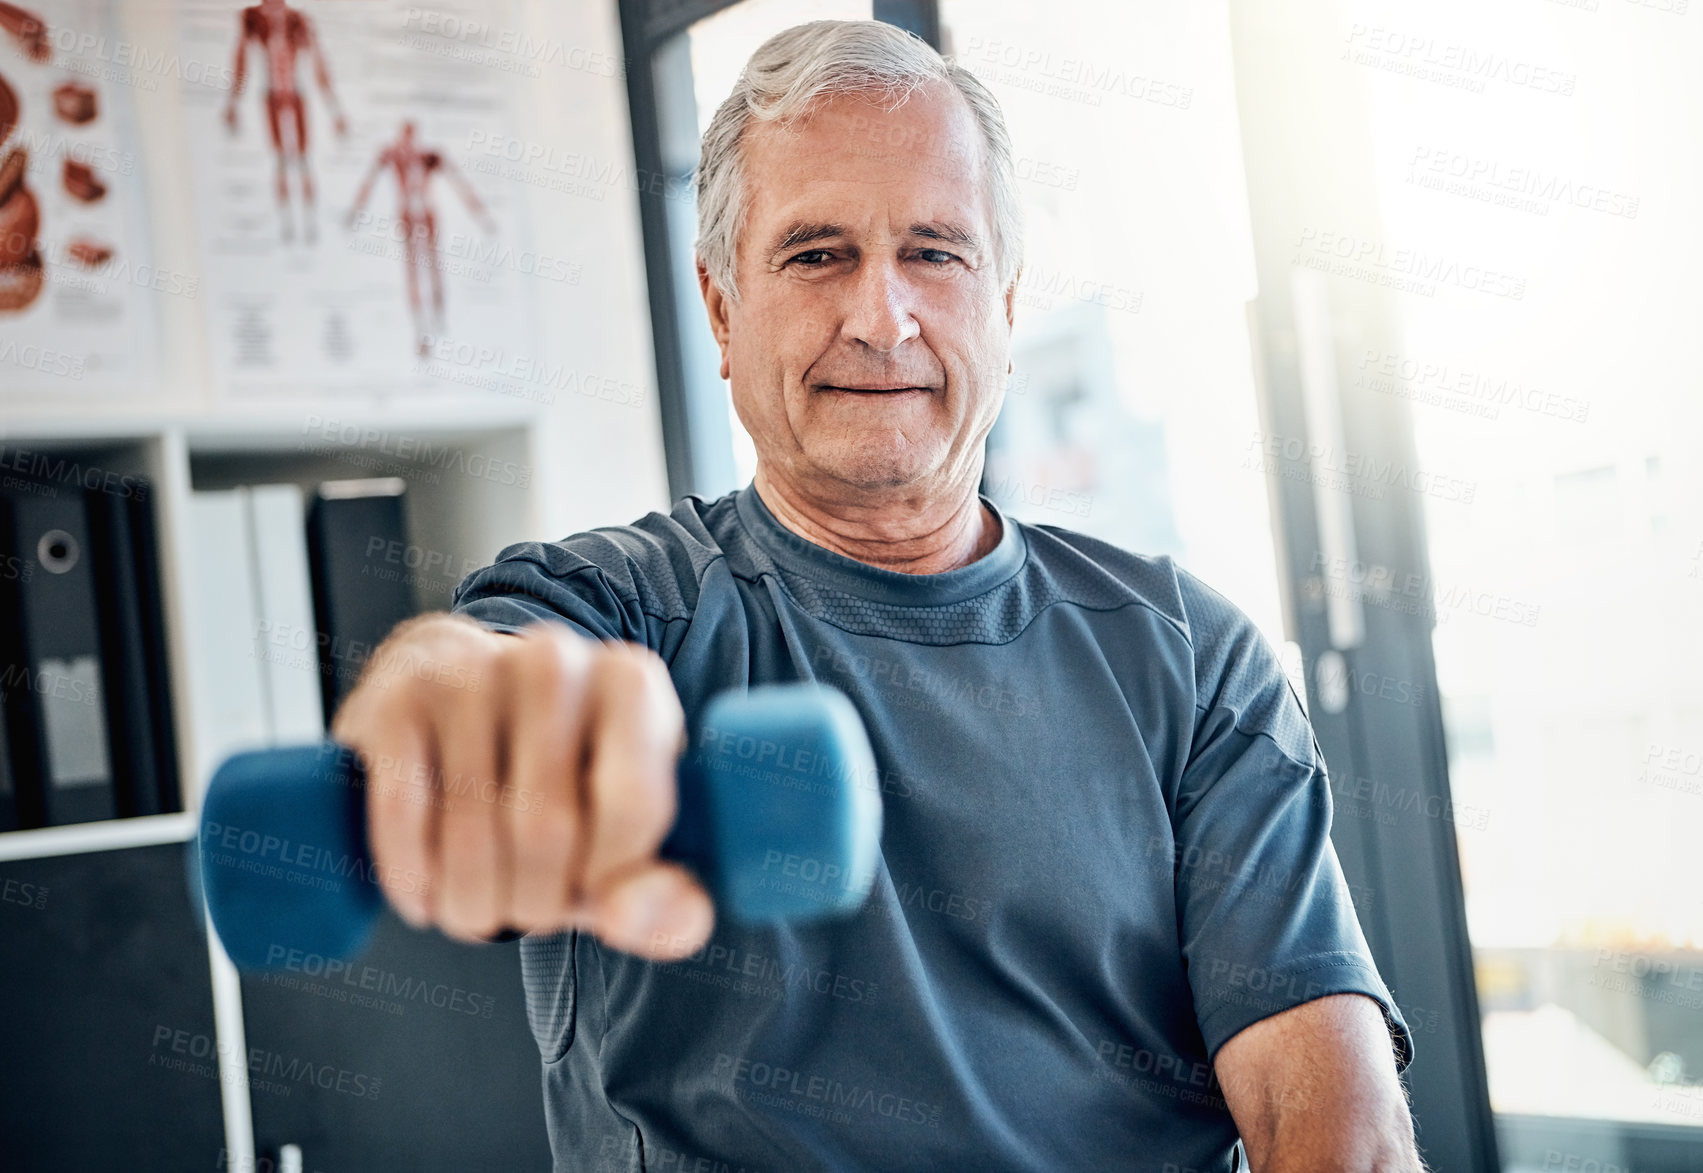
(716, 302)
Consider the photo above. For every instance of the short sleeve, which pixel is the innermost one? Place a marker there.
(638, 583)
(519, 589)
(1266, 916)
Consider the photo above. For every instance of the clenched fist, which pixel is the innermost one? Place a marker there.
(530, 779)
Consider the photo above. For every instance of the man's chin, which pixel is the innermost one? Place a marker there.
(877, 471)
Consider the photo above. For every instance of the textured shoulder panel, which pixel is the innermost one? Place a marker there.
(1236, 670)
(652, 567)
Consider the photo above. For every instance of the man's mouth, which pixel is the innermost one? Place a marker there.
(882, 389)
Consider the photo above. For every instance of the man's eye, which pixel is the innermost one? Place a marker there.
(815, 256)
(935, 256)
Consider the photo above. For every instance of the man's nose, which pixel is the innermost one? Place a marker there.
(879, 315)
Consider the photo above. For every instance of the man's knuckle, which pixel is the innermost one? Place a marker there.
(622, 673)
(466, 834)
(547, 832)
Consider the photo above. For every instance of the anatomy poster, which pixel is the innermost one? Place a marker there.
(77, 288)
(342, 243)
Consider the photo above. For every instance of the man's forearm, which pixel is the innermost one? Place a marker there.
(1329, 1142)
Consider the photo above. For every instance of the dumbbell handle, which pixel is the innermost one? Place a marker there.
(779, 815)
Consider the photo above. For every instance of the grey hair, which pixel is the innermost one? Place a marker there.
(800, 66)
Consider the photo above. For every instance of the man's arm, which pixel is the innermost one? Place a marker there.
(1314, 1090)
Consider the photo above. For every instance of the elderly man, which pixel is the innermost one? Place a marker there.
(1108, 930)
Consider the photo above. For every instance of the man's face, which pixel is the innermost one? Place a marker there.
(869, 345)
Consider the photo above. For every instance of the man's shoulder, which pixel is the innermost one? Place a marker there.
(657, 560)
(1200, 614)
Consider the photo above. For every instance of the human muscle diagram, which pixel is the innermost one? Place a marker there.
(20, 216)
(414, 169)
(367, 116)
(77, 286)
(282, 36)
(27, 30)
(20, 219)
(75, 102)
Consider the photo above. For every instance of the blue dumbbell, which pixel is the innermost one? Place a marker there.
(780, 816)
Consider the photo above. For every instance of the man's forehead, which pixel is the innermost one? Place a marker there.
(921, 163)
(932, 125)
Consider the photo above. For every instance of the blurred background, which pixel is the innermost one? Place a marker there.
(1376, 315)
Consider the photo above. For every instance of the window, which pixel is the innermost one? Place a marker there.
(1568, 589)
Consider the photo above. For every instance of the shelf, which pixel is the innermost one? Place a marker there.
(108, 835)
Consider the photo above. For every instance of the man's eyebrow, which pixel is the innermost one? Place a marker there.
(805, 233)
(947, 233)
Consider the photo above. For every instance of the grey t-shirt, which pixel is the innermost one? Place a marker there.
(1105, 851)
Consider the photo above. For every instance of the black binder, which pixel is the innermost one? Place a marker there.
(362, 583)
(63, 657)
(85, 683)
(19, 801)
(136, 675)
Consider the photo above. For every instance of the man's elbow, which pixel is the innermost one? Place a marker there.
(1379, 1140)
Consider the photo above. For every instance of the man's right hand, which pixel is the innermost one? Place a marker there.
(528, 780)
